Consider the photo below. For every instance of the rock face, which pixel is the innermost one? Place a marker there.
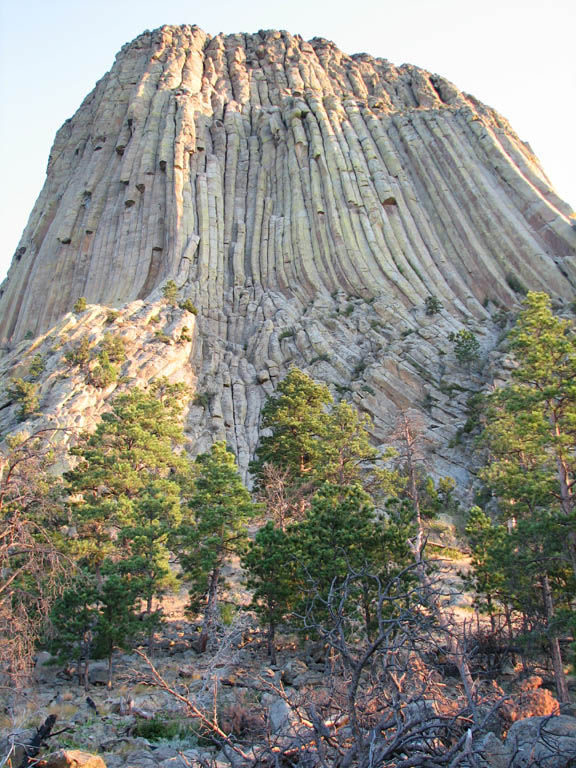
(307, 202)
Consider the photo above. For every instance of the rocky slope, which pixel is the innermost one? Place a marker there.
(307, 202)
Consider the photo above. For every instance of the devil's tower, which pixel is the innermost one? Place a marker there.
(306, 201)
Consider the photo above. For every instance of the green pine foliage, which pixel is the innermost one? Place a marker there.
(466, 346)
(170, 293)
(271, 576)
(126, 497)
(530, 431)
(214, 530)
(25, 394)
(295, 415)
(80, 305)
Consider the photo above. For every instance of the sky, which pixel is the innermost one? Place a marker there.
(517, 56)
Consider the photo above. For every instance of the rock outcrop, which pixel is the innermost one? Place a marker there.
(307, 202)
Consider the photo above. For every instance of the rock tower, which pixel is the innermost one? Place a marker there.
(307, 202)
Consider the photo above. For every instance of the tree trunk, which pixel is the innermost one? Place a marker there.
(149, 605)
(556, 653)
(86, 669)
(109, 684)
(566, 496)
(210, 614)
(272, 643)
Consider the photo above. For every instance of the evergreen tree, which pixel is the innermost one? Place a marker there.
(531, 425)
(126, 492)
(296, 417)
(345, 451)
(270, 574)
(220, 508)
(342, 536)
(120, 465)
(530, 431)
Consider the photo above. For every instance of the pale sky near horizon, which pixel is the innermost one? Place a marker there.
(517, 56)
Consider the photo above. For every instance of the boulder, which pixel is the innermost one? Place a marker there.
(72, 758)
(279, 716)
(98, 674)
(490, 752)
(546, 742)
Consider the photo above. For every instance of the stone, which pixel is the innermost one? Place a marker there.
(490, 752)
(546, 742)
(98, 674)
(294, 670)
(279, 716)
(72, 758)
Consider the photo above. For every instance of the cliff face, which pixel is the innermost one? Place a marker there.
(307, 201)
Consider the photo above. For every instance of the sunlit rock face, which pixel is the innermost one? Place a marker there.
(307, 202)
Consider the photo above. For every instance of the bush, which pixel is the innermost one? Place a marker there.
(185, 335)
(80, 354)
(114, 347)
(23, 392)
(433, 305)
(188, 306)
(466, 346)
(80, 305)
(170, 292)
(516, 284)
(103, 373)
(287, 334)
(37, 366)
(201, 399)
(158, 729)
(112, 316)
(163, 337)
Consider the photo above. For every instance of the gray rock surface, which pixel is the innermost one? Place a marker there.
(307, 202)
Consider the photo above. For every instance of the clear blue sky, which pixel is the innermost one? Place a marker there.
(517, 56)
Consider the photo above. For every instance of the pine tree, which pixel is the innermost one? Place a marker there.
(530, 431)
(296, 416)
(270, 574)
(342, 536)
(220, 508)
(126, 495)
(131, 450)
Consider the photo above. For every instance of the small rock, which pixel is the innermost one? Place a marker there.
(98, 674)
(490, 752)
(72, 758)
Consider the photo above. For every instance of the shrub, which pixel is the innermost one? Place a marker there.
(201, 399)
(37, 366)
(23, 392)
(170, 292)
(158, 729)
(103, 373)
(114, 347)
(188, 306)
(185, 335)
(433, 305)
(287, 334)
(112, 316)
(80, 353)
(163, 337)
(80, 305)
(466, 346)
(516, 284)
